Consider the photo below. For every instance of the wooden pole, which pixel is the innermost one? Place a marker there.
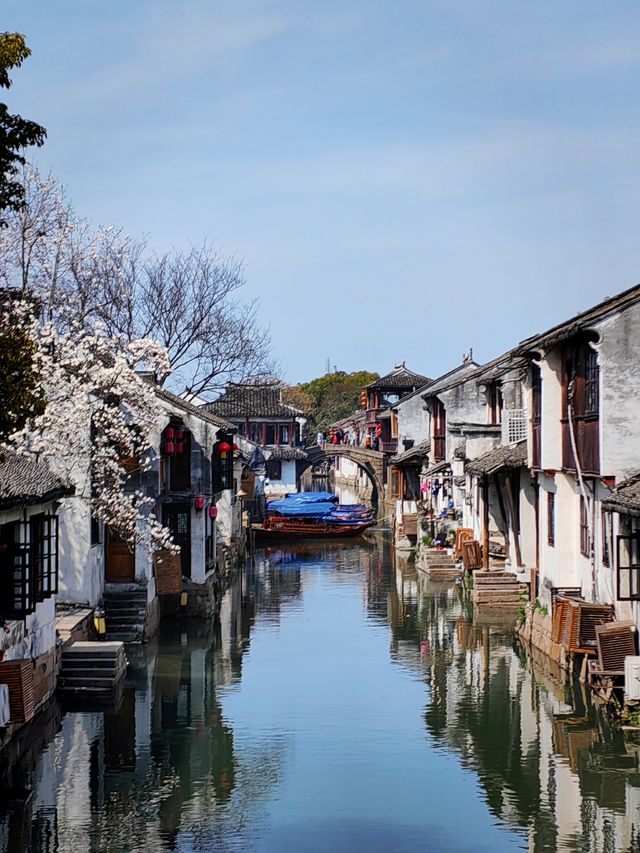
(485, 522)
(514, 521)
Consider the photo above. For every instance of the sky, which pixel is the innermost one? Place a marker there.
(403, 180)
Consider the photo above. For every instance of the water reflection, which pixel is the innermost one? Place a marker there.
(342, 701)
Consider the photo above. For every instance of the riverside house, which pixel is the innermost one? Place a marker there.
(29, 496)
(260, 416)
(98, 569)
(584, 441)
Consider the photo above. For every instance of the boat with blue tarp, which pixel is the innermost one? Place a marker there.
(313, 515)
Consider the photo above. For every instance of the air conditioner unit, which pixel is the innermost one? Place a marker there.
(632, 678)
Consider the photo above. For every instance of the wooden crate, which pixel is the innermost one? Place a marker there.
(18, 676)
(168, 572)
(471, 555)
(410, 524)
(616, 641)
(580, 622)
(559, 618)
(463, 534)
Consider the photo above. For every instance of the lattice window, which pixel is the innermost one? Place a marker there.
(514, 425)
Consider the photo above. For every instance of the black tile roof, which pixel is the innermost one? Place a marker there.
(508, 456)
(198, 411)
(24, 482)
(400, 379)
(252, 401)
(287, 454)
(581, 321)
(625, 498)
(414, 455)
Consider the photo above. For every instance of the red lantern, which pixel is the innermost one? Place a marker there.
(169, 447)
(199, 502)
(213, 511)
(179, 434)
(224, 447)
(235, 446)
(179, 447)
(168, 434)
(378, 430)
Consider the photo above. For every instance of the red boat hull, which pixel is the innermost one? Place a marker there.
(280, 530)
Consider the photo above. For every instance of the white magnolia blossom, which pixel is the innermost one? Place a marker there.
(98, 421)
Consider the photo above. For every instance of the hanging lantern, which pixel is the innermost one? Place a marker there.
(213, 511)
(199, 502)
(179, 434)
(169, 447)
(169, 434)
(235, 446)
(224, 447)
(179, 447)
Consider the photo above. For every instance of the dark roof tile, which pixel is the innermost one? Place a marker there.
(507, 456)
(24, 482)
(252, 401)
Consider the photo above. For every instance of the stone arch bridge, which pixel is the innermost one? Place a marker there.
(372, 463)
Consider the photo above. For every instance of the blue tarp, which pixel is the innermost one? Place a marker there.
(311, 497)
(300, 509)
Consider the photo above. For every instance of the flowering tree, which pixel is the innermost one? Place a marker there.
(99, 415)
(186, 300)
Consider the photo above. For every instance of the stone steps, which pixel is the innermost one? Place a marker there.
(125, 610)
(497, 589)
(92, 666)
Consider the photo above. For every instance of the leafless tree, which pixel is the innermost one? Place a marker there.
(188, 300)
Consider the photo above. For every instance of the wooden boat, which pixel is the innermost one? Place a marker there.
(279, 529)
(313, 515)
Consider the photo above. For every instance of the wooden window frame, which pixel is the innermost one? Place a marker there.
(396, 483)
(494, 404)
(633, 569)
(551, 518)
(43, 540)
(581, 374)
(274, 469)
(585, 539)
(606, 533)
(439, 431)
(536, 415)
(18, 598)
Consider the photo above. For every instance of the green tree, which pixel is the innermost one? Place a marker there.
(20, 389)
(16, 133)
(335, 395)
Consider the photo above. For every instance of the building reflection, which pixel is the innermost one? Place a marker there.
(158, 760)
(162, 766)
(547, 759)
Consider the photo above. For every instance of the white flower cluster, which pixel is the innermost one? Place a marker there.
(98, 419)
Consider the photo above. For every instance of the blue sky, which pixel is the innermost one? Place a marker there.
(403, 179)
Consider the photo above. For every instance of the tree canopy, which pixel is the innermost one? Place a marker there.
(16, 133)
(335, 396)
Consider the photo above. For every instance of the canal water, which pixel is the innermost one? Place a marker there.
(342, 702)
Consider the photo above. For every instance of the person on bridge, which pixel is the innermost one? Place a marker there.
(320, 439)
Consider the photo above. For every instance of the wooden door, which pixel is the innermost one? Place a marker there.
(177, 518)
(120, 559)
